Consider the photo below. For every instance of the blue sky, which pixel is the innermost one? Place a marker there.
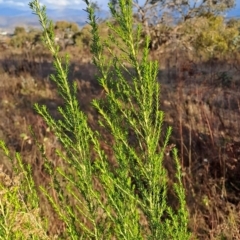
(50, 3)
(17, 13)
(60, 4)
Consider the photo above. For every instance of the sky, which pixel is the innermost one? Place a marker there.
(17, 12)
(49, 3)
(59, 4)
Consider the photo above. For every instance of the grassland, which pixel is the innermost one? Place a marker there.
(200, 99)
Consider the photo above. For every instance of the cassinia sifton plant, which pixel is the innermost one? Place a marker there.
(95, 199)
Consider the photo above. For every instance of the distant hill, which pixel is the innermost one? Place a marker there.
(11, 16)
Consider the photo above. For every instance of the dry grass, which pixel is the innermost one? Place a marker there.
(201, 102)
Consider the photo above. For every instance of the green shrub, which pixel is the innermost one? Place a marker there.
(210, 34)
(22, 38)
(83, 39)
(64, 26)
(19, 31)
(95, 199)
(20, 216)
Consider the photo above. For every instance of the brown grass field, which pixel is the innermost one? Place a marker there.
(201, 101)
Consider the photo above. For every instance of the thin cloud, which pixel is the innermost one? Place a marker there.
(13, 3)
(51, 4)
(64, 3)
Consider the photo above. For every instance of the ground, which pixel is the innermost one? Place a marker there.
(200, 101)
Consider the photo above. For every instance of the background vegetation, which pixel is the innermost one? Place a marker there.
(199, 73)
